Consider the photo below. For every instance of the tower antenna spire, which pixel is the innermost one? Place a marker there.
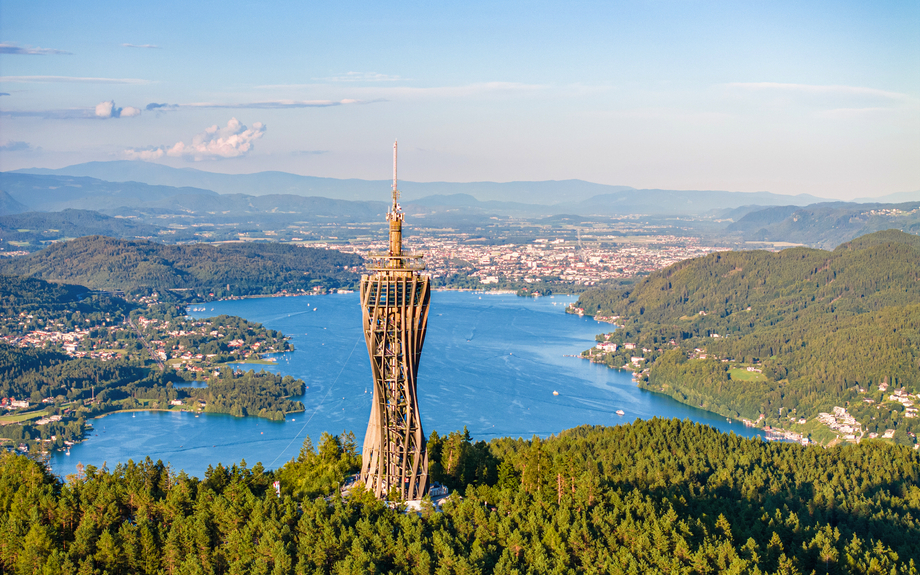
(395, 191)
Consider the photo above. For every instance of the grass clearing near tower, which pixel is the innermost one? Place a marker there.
(742, 374)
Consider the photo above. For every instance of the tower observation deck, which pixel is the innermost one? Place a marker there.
(394, 309)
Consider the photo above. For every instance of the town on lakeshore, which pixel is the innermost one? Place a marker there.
(644, 299)
(551, 260)
(161, 337)
(834, 427)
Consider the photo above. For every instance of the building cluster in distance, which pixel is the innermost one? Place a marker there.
(844, 423)
(547, 259)
(68, 340)
(176, 342)
(901, 396)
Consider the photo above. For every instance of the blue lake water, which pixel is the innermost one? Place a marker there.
(490, 363)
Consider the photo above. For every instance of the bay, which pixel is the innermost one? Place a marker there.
(490, 362)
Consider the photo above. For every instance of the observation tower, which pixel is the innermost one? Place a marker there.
(394, 309)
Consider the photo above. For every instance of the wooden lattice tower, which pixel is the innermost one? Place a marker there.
(394, 306)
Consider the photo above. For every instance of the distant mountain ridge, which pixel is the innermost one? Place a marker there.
(826, 225)
(683, 202)
(897, 198)
(9, 205)
(565, 195)
(53, 193)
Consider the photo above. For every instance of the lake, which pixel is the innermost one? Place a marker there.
(491, 362)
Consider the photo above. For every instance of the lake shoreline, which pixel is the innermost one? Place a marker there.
(489, 364)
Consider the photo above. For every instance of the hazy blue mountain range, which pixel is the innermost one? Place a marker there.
(892, 198)
(55, 193)
(306, 208)
(263, 183)
(682, 202)
(44, 192)
(573, 196)
(258, 184)
(826, 225)
(468, 203)
(51, 193)
(8, 205)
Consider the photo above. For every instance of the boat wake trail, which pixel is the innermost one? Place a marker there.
(320, 404)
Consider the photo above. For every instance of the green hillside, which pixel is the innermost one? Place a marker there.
(819, 325)
(141, 266)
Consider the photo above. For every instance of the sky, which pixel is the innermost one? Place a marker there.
(783, 96)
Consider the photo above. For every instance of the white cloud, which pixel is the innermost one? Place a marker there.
(109, 110)
(141, 46)
(382, 93)
(152, 154)
(275, 104)
(233, 141)
(263, 105)
(478, 90)
(818, 89)
(360, 77)
(12, 48)
(70, 79)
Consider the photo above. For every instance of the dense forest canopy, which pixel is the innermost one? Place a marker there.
(823, 327)
(33, 296)
(247, 268)
(660, 496)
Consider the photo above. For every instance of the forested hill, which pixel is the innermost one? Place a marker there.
(659, 496)
(137, 266)
(819, 325)
(870, 272)
(44, 300)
